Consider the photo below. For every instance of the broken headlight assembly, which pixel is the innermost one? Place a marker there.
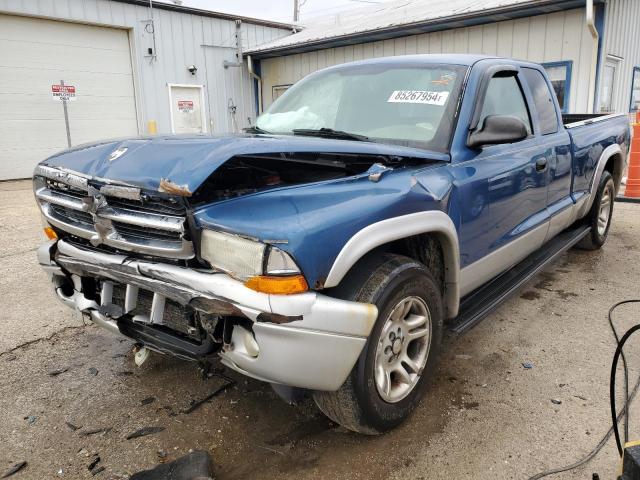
(263, 268)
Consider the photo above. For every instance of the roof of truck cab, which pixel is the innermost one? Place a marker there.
(462, 59)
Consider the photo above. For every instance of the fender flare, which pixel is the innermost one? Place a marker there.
(397, 228)
(606, 154)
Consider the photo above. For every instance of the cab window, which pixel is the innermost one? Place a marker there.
(543, 101)
(504, 97)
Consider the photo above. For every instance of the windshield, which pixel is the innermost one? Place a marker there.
(412, 105)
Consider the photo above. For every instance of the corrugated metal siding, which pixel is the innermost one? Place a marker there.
(553, 37)
(622, 39)
(389, 19)
(181, 40)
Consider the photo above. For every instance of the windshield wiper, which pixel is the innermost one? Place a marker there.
(254, 129)
(329, 133)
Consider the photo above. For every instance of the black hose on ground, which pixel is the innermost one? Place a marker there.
(616, 417)
(612, 386)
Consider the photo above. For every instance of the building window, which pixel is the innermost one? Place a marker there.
(609, 84)
(560, 75)
(635, 90)
(278, 90)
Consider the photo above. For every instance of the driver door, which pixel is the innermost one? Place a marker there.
(506, 193)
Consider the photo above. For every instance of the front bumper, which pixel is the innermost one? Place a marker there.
(314, 345)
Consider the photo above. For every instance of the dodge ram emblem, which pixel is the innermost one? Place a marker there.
(117, 153)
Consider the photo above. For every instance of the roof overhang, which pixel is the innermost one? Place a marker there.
(480, 17)
(208, 13)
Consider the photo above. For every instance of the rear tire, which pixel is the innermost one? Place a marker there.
(394, 368)
(600, 215)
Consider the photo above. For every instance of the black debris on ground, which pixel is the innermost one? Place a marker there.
(94, 462)
(72, 426)
(96, 471)
(144, 431)
(14, 469)
(147, 401)
(55, 373)
(198, 403)
(94, 431)
(197, 464)
(92, 371)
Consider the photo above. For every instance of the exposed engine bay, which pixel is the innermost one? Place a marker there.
(246, 174)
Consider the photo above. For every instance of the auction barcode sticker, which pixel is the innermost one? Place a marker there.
(418, 96)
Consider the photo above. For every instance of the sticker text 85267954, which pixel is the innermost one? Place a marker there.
(418, 96)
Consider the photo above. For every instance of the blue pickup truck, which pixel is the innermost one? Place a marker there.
(325, 250)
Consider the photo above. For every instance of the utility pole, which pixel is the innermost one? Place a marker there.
(296, 10)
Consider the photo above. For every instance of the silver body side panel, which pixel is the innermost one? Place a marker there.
(479, 272)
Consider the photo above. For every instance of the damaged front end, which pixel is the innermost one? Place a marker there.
(307, 340)
(203, 265)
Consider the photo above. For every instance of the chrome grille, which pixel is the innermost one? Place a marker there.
(75, 216)
(70, 203)
(137, 233)
(167, 208)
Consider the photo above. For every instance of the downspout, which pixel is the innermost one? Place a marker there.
(591, 25)
(257, 79)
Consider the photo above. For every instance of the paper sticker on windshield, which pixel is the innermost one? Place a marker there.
(419, 96)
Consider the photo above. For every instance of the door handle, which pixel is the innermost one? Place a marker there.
(541, 164)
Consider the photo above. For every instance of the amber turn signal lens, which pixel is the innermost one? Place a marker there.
(50, 233)
(278, 285)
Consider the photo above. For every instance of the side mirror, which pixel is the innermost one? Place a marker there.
(498, 129)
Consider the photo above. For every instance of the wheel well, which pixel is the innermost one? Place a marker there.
(614, 166)
(437, 249)
(424, 248)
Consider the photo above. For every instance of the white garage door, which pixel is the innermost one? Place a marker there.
(36, 54)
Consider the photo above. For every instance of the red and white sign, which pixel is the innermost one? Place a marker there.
(185, 106)
(61, 93)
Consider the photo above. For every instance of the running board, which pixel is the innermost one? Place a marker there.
(481, 302)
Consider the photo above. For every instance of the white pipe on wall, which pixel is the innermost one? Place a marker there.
(591, 25)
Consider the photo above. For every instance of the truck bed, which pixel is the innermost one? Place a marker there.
(572, 120)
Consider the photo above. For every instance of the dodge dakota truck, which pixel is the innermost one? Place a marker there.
(326, 249)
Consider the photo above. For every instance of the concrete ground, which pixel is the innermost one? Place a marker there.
(69, 391)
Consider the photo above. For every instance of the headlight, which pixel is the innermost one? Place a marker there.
(235, 255)
(263, 268)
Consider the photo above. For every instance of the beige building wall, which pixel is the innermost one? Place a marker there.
(554, 37)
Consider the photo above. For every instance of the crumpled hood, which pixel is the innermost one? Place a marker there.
(187, 161)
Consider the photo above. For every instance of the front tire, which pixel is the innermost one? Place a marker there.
(394, 368)
(600, 215)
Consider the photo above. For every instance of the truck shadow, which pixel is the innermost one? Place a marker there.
(87, 395)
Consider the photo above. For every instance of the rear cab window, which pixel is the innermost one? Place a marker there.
(543, 101)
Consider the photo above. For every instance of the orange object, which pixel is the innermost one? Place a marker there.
(633, 176)
(278, 285)
(50, 233)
